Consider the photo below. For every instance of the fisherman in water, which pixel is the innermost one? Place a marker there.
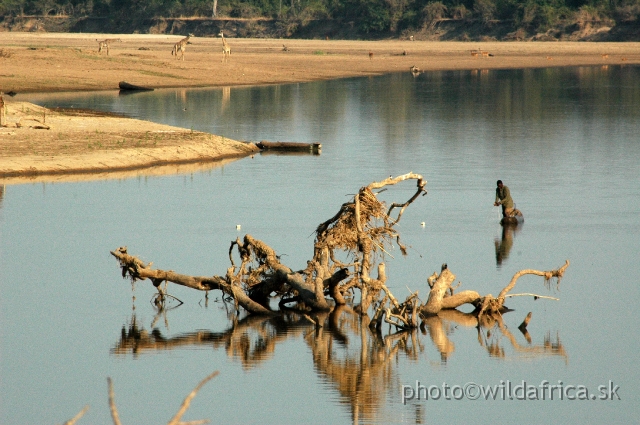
(503, 197)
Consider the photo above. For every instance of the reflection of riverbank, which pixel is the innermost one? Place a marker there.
(160, 170)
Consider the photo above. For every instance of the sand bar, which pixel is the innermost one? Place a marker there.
(44, 145)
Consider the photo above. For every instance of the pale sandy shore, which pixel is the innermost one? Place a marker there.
(37, 144)
(46, 145)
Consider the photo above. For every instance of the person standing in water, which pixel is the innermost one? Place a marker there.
(503, 197)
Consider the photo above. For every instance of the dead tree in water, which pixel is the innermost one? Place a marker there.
(362, 231)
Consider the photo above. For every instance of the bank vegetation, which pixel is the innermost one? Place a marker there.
(596, 20)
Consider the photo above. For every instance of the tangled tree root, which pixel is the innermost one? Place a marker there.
(362, 231)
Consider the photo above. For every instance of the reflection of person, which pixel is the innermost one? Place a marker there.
(503, 247)
(503, 197)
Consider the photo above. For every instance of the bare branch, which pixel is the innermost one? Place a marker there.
(558, 273)
(187, 401)
(75, 419)
(112, 404)
(137, 270)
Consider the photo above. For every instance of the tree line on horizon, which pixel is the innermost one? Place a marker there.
(365, 16)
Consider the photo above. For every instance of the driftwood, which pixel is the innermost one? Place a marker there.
(441, 296)
(362, 230)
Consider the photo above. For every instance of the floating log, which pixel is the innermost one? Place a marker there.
(314, 148)
(127, 86)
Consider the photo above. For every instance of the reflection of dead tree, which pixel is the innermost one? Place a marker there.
(491, 330)
(251, 340)
(360, 364)
(547, 348)
(363, 370)
(362, 231)
(173, 421)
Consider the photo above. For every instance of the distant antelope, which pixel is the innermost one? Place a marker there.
(181, 46)
(370, 55)
(415, 70)
(104, 44)
(605, 56)
(226, 50)
(475, 53)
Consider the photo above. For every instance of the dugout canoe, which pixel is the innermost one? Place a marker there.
(314, 148)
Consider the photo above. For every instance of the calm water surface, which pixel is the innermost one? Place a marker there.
(564, 140)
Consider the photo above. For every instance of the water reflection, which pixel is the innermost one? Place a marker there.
(360, 363)
(491, 333)
(504, 244)
(568, 138)
(139, 174)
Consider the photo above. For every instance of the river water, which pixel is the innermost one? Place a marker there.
(565, 141)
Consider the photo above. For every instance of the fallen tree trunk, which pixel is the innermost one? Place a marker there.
(362, 230)
(438, 291)
(440, 296)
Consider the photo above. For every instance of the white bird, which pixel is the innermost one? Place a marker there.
(237, 227)
(422, 224)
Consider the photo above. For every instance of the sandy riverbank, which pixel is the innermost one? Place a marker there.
(35, 142)
(38, 144)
